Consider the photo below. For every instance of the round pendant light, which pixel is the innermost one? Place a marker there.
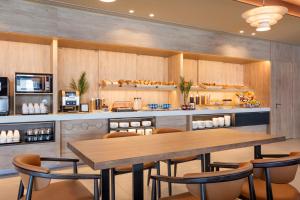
(264, 17)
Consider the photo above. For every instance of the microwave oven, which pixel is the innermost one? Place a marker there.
(33, 83)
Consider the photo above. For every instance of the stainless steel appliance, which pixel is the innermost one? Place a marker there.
(33, 83)
(69, 101)
(4, 96)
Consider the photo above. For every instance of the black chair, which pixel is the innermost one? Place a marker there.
(36, 179)
(176, 161)
(272, 176)
(128, 169)
(224, 185)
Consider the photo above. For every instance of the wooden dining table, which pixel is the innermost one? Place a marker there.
(104, 154)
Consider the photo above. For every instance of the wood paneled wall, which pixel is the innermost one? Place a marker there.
(257, 76)
(105, 65)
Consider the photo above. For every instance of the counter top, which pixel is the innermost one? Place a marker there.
(107, 115)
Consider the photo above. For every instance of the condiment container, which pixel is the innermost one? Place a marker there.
(3, 137)
(227, 120)
(16, 137)
(9, 136)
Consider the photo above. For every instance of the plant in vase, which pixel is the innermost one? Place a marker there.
(185, 88)
(82, 84)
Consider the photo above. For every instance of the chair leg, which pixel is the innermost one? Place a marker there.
(158, 182)
(169, 174)
(175, 169)
(96, 190)
(149, 175)
(113, 185)
(29, 188)
(153, 193)
(251, 188)
(268, 184)
(202, 192)
(21, 190)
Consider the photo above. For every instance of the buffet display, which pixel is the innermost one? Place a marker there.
(138, 84)
(215, 86)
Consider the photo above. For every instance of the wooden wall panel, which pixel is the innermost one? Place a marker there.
(23, 57)
(152, 68)
(258, 77)
(190, 70)
(71, 63)
(219, 72)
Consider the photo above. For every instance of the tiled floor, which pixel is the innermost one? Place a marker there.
(8, 186)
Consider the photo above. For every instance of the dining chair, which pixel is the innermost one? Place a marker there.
(127, 169)
(221, 185)
(176, 161)
(36, 179)
(272, 176)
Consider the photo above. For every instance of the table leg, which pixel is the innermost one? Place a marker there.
(206, 161)
(138, 182)
(257, 152)
(105, 184)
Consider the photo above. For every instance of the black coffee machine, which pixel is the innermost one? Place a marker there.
(4, 96)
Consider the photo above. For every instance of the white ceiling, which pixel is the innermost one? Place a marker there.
(218, 15)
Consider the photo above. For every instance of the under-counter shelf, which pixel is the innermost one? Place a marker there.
(136, 87)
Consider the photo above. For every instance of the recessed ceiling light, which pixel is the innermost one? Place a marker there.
(253, 34)
(108, 1)
(241, 31)
(131, 11)
(151, 15)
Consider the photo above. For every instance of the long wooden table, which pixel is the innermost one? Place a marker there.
(104, 154)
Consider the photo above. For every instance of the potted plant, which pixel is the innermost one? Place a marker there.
(81, 85)
(185, 88)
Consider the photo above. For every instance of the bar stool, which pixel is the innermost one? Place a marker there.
(175, 161)
(224, 185)
(127, 169)
(36, 179)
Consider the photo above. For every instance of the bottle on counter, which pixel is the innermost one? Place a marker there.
(192, 100)
(197, 99)
(137, 103)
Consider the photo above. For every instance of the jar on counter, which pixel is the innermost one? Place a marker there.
(137, 103)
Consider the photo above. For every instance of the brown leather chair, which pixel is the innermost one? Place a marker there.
(175, 161)
(272, 178)
(37, 180)
(127, 169)
(221, 185)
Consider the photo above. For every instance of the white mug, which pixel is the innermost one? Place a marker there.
(3, 137)
(215, 122)
(227, 120)
(16, 137)
(195, 124)
(221, 121)
(9, 136)
(25, 109)
(30, 108)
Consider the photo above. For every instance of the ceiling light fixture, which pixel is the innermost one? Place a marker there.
(253, 34)
(151, 15)
(131, 11)
(241, 31)
(264, 17)
(108, 1)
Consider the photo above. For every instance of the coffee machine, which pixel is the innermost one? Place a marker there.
(4, 96)
(69, 101)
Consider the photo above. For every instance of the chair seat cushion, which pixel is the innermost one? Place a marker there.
(183, 196)
(63, 190)
(280, 191)
(184, 159)
(129, 167)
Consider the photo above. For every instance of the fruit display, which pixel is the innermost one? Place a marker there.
(247, 99)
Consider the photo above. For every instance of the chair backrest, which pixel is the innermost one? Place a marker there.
(26, 164)
(166, 130)
(119, 134)
(221, 185)
(282, 170)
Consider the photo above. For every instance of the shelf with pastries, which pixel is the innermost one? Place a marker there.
(137, 85)
(213, 87)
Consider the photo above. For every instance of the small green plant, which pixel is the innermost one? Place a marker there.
(81, 85)
(185, 88)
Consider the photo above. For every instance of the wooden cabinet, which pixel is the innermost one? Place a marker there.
(75, 130)
(179, 122)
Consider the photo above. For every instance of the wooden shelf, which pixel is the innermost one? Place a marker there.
(154, 88)
(220, 89)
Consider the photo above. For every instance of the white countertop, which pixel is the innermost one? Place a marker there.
(107, 115)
